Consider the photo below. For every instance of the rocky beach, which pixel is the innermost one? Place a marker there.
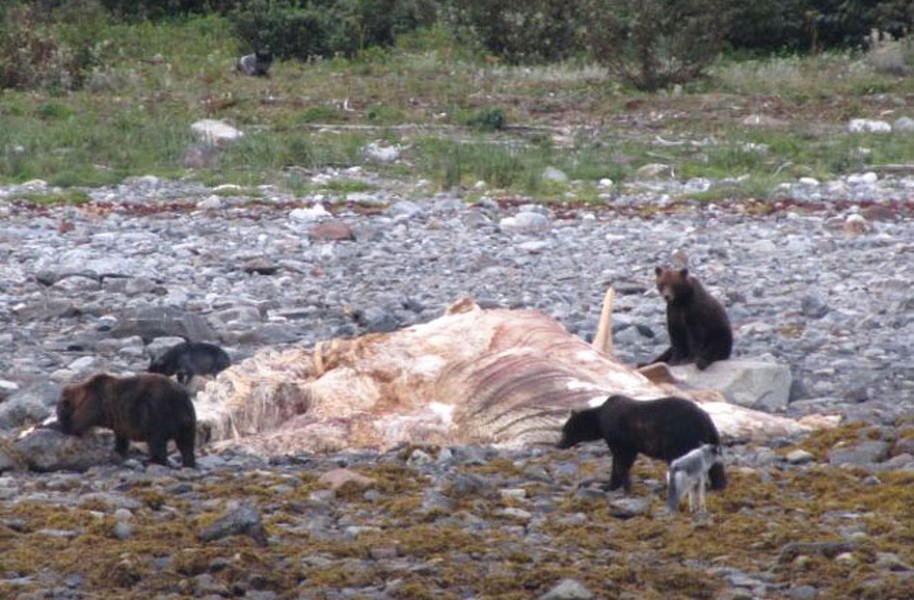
(816, 278)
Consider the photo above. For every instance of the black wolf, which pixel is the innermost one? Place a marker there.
(191, 358)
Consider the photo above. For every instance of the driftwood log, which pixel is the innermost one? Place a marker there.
(472, 376)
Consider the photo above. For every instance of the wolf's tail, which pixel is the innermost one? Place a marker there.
(718, 476)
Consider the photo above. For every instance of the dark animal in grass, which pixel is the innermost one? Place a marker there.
(665, 429)
(255, 65)
(144, 408)
(191, 358)
(697, 323)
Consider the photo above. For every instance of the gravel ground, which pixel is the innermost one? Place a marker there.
(818, 278)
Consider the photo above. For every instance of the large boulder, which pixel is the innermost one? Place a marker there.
(757, 384)
(150, 322)
(29, 405)
(212, 131)
(46, 449)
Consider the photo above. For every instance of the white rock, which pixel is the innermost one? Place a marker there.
(856, 225)
(752, 383)
(868, 126)
(404, 208)
(216, 132)
(654, 171)
(756, 120)
(809, 181)
(35, 184)
(800, 457)
(310, 214)
(903, 125)
(604, 183)
(85, 364)
(535, 246)
(553, 174)
(8, 388)
(698, 184)
(862, 178)
(381, 153)
(213, 202)
(568, 589)
(524, 222)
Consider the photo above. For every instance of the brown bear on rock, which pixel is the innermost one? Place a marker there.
(145, 408)
(697, 323)
(665, 428)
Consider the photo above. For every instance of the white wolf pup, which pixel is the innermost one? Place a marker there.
(689, 473)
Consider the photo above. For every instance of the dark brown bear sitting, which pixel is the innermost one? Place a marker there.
(697, 323)
(145, 408)
(665, 428)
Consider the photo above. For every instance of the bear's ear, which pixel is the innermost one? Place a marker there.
(658, 271)
(684, 273)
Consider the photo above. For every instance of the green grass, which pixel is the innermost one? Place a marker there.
(347, 186)
(461, 118)
(71, 196)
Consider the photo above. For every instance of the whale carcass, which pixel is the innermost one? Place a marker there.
(472, 376)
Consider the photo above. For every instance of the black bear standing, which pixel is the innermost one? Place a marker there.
(697, 323)
(665, 428)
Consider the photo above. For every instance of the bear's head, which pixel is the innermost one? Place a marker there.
(582, 426)
(673, 284)
(82, 405)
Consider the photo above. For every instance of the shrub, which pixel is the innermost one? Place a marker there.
(813, 25)
(651, 44)
(154, 10)
(518, 31)
(487, 119)
(896, 17)
(37, 53)
(304, 29)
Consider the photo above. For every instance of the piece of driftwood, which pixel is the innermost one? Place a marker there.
(499, 376)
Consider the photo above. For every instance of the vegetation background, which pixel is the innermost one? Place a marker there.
(95, 91)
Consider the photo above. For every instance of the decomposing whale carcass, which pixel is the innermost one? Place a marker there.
(494, 376)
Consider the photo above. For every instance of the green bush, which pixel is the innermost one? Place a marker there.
(813, 25)
(651, 44)
(895, 17)
(49, 50)
(487, 119)
(156, 10)
(518, 31)
(305, 29)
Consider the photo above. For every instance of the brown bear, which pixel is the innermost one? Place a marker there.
(665, 428)
(146, 408)
(697, 323)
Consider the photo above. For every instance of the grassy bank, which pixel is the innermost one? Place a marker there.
(461, 118)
